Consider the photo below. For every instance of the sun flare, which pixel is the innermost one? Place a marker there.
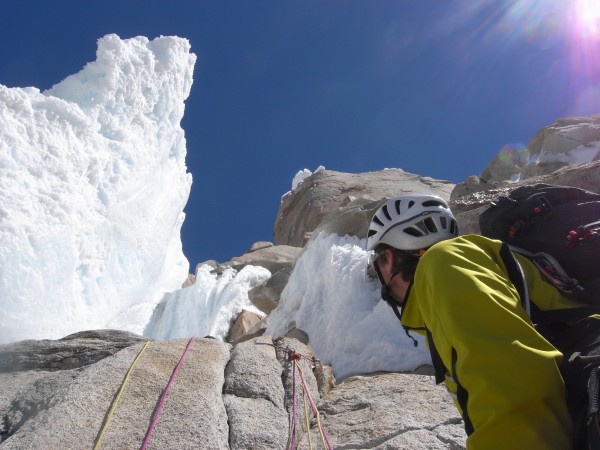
(587, 13)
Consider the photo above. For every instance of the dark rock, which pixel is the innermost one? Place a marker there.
(266, 296)
(259, 246)
(71, 352)
(242, 324)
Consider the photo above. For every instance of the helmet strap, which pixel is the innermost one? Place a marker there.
(386, 293)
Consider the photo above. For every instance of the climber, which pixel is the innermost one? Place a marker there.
(456, 291)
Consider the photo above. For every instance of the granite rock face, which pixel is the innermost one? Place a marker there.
(566, 153)
(468, 206)
(568, 142)
(66, 408)
(390, 411)
(274, 258)
(266, 296)
(565, 135)
(223, 396)
(506, 165)
(325, 191)
(242, 325)
(71, 352)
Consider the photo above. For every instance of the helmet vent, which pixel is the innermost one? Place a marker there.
(377, 221)
(430, 225)
(453, 228)
(372, 232)
(429, 203)
(397, 205)
(443, 222)
(411, 203)
(385, 211)
(413, 231)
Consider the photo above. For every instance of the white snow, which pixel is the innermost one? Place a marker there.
(579, 155)
(303, 175)
(93, 184)
(330, 297)
(209, 306)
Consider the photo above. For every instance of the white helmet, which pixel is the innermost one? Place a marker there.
(412, 222)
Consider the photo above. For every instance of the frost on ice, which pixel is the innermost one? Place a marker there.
(330, 297)
(93, 184)
(303, 175)
(209, 306)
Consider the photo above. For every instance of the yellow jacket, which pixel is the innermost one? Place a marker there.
(504, 375)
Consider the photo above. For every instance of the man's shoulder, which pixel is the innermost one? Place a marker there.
(474, 241)
(470, 247)
(458, 258)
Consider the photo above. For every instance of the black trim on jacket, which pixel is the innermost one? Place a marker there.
(436, 359)
(462, 396)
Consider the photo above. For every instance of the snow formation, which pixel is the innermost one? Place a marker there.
(93, 184)
(330, 297)
(209, 306)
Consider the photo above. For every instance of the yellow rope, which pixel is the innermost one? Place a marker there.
(317, 415)
(307, 420)
(118, 397)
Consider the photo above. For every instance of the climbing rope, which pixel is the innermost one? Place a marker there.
(324, 438)
(117, 398)
(307, 422)
(293, 442)
(295, 357)
(292, 355)
(164, 395)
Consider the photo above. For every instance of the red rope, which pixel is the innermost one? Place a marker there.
(164, 396)
(294, 357)
(293, 443)
(315, 411)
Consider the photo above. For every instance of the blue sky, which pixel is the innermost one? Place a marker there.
(433, 87)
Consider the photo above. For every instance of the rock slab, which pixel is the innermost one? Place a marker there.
(224, 396)
(389, 411)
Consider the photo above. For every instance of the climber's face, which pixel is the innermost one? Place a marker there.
(392, 283)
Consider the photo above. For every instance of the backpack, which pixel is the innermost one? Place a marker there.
(558, 228)
(560, 221)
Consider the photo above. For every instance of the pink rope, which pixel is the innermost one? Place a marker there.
(164, 396)
(314, 408)
(293, 443)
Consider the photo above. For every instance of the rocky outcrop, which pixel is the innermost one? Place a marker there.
(564, 136)
(254, 396)
(266, 296)
(505, 166)
(566, 153)
(242, 325)
(259, 246)
(568, 142)
(325, 191)
(223, 396)
(351, 410)
(66, 408)
(274, 258)
(468, 206)
(71, 352)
